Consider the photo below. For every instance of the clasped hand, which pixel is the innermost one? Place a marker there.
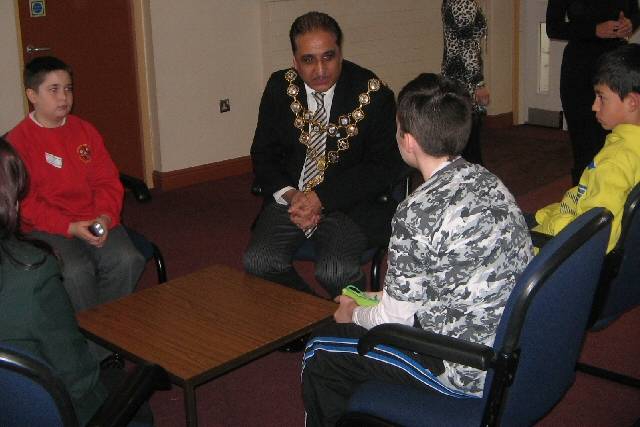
(305, 209)
(80, 229)
(621, 28)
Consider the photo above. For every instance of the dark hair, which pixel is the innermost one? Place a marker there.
(312, 21)
(436, 111)
(619, 70)
(37, 69)
(14, 183)
(13, 187)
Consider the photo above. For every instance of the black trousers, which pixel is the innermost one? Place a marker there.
(577, 96)
(112, 378)
(339, 245)
(473, 151)
(332, 370)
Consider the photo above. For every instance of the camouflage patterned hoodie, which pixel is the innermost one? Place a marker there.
(459, 243)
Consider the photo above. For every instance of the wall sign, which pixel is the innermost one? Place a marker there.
(37, 8)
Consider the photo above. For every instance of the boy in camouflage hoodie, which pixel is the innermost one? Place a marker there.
(459, 243)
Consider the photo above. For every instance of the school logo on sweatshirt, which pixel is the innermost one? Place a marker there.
(84, 152)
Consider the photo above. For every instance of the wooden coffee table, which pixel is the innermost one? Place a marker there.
(202, 325)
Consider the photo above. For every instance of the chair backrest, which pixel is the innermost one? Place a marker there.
(544, 323)
(620, 280)
(29, 393)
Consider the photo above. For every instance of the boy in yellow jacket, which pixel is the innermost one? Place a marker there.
(615, 170)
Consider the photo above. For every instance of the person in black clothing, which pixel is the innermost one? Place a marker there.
(592, 28)
(324, 151)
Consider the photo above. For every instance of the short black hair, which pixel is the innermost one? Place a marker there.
(436, 111)
(312, 21)
(37, 69)
(619, 70)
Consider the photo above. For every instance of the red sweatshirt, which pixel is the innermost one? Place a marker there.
(71, 175)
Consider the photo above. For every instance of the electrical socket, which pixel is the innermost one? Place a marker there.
(225, 105)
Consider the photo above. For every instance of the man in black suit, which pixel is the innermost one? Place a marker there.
(324, 150)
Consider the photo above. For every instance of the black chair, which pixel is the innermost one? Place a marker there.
(531, 363)
(149, 250)
(619, 289)
(30, 395)
(146, 247)
(374, 255)
(137, 186)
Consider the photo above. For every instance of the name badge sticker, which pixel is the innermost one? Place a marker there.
(54, 161)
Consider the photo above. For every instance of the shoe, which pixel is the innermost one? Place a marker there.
(115, 361)
(295, 346)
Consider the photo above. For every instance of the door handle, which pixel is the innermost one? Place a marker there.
(33, 49)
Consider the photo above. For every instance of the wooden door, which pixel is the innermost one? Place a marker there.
(96, 39)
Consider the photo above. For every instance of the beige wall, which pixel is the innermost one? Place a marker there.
(203, 51)
(396, 39)
(11, 97)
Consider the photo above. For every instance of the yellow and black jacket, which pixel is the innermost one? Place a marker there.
(606, 182)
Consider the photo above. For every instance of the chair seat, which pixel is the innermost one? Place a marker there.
(415, 407)
(31, 395)
(142, 244)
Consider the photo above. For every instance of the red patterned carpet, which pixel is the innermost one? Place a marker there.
(209, 223)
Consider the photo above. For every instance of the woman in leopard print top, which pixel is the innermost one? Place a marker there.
(465, 26)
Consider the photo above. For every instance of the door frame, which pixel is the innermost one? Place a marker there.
(144, 78)
(515, 70)
(523, 98)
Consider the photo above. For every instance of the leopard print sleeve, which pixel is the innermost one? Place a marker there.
(464, 26)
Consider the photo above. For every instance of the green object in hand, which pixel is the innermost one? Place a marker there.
(360, 297)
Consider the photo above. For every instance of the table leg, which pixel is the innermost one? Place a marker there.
(190, 406)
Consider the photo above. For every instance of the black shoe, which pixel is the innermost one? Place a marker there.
(115, 361)
(295, 346)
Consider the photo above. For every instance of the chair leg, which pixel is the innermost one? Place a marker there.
(608, 375)
(160, 265)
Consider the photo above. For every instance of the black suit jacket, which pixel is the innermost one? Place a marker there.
(364, 172)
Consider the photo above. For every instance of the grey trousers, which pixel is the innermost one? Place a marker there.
(93, 276)
(339, 245)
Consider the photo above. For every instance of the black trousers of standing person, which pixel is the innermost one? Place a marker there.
(472, 151)
(577, 95)
(333, 369)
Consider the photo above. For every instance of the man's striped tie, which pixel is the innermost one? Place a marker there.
(317, 147)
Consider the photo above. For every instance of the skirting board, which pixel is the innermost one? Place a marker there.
(195, 175)
(213, 171)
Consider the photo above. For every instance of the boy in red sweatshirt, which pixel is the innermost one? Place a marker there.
(73, 184)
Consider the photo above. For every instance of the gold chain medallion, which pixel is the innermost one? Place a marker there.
(305, 120)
